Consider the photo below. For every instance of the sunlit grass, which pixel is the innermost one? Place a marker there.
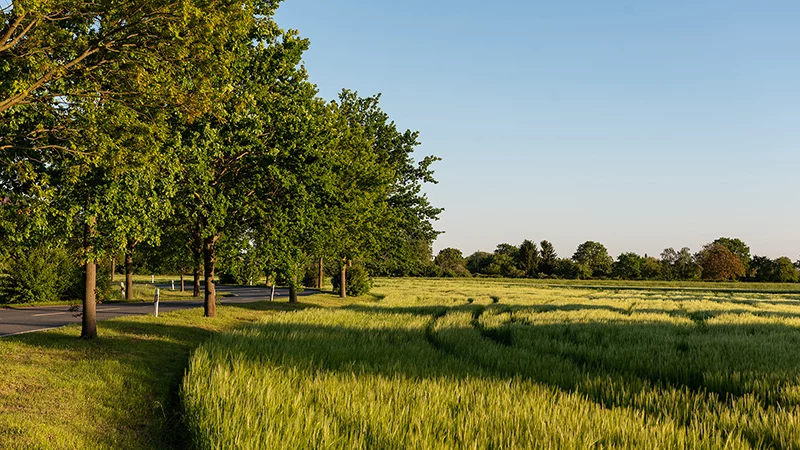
(500, 364)
(116, 392)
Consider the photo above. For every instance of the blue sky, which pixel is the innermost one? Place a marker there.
(639, 124)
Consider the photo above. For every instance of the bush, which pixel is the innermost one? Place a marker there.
(239, 271)
(42, 275)
(358, 281)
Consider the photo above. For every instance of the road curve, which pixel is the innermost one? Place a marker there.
(15, 321)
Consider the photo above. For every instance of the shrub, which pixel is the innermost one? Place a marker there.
(358, 281)
(42, 275)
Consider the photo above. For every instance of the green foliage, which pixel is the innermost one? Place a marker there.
(504, 265)
(651, 268)
(478, 262)
(358, 281)
(547, 265)
(570, 270)
(42, 275)
(628, 266)
(780, 270)
(528, 258)
(594, 257)
(452, 263)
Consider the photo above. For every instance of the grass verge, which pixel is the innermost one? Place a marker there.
(116, 392)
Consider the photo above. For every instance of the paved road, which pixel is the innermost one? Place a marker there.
(26, 320)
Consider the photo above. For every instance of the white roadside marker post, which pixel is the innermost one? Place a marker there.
(155, 302)
(173, 285)
(152, 279)
(272, 293)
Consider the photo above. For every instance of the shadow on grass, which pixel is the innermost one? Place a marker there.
(139, 362)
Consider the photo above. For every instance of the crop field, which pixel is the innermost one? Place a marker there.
(483, 364)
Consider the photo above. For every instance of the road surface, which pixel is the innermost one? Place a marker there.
(26, 320)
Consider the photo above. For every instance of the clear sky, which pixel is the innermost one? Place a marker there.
(639, 124)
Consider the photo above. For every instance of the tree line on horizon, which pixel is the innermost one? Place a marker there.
(725, 259)
(190, 129)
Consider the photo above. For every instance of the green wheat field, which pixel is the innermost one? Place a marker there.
(440, 364)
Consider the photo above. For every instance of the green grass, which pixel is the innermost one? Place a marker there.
(506, 364)
(117, 392)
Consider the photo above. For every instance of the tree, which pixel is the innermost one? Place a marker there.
(738, 248)
(568, 269)
(503, 264)
(528, 258)
(593, 256)
(785, 271)
(86, 90)
(406, 231)
(478, 262)
(628, 266)
(669, 259)
(452, 262)
(549, 256)
(719, 263)
(507, 249)
(651, 268)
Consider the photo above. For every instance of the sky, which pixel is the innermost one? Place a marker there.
(638, 124)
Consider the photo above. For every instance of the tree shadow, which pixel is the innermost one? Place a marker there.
(139, 365)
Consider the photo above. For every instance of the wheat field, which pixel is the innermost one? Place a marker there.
(441, 364)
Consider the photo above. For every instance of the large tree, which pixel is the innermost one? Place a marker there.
(549, 258)
(594, 257)
(407, 226)
(528, 258)
(719, 263)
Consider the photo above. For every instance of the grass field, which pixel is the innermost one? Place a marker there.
(504, 364)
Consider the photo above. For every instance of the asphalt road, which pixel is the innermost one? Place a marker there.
(26, 320)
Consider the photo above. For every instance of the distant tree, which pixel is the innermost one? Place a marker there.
(570, 270)
(686, 268)
(719, 263)
(507, 249)
(651, 268)
(669, 257)
(478, 262)
(628, 266)
(452, 263)
(528, 258)
(594, 256)
(738, 248)
(762, 268)
(503, 265)
(548, 257)
(785, 271)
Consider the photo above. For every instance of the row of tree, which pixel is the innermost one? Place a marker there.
(190, 126)
(723, 259)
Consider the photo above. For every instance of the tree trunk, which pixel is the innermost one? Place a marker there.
(183, 286)
(321, 274)
(89, 320)
(197, 252)
(129, 276)
(292, 293)
(209, 258)
(113, 268)
(343, 281)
